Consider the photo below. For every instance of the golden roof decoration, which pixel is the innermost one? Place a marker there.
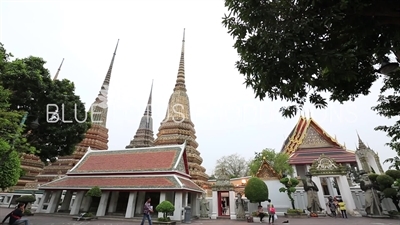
(266, 172)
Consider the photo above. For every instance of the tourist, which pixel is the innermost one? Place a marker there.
(147, 209)
(271, 212)
(16, 216)
(342, 207)
(260, 213)
(336, 203)
(332, 206)
(223, 206)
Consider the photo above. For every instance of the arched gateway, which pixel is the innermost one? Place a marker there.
(326, 167)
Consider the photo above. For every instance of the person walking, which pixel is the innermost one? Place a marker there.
(332, 207)
(271, 212)
(147, 209)
(342, 207)
(16, 216)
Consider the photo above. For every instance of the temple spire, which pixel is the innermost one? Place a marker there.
(58, 71)
(180, 80)
(100, 108)
(144, 136)
(361, 144)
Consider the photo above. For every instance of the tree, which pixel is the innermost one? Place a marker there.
(289, 187)
(256, 190)
(165, 207)
(9, 135)
(298, 49)
(235, 165)
(278, 161)
(94, 192)
(32, 90)
(395, 161)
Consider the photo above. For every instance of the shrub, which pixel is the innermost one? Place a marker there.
(290, 188)
(372, 177)
(26, 199)
(94, 192)
(395, 174)
(165, 207)
(88, 214)
(256, 190)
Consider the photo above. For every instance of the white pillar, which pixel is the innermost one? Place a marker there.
(178, 206)
(113, 202)
(77, 203)
(329, 184)
(232, 205)
(54, 201)
(184, 199)
(162, 198)
(67, 201)
(44, 198)
(130, 209)
(140, 202)
(294, 171)
(214, 213)
(195, 205)
(321, 198)
(101, 210)
(345, 192)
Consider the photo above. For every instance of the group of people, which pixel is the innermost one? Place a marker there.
(271, 212)
(337, 207)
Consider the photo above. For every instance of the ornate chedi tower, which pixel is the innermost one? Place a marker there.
(144, 136)
(95, 138)
(367, 159)
(31, 164)
(177, 126)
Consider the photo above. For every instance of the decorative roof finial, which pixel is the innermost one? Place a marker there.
(148, 110)
(58, 71)
(361, 144)
(180, 81)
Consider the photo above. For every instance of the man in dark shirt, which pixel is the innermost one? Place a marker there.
(16, 216)
(147, 209)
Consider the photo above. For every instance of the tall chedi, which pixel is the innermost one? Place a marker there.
(177, 126)
(95, 138)
(144, 136)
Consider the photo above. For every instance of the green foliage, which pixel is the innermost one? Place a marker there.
(10, 167)
(395, 162)
(94, 192)
(390, 193)
(165, 207)
(256, 190)
(295, 211)
(26, 199)
(386, 185)
(278, 161)
(301, 51)
(32, 89)
(88, 214)
(235, 165)
(27, 212)
(289, 187)
(162, 219)
(373, 177)
(395, 174)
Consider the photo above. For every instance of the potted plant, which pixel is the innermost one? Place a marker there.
(165, 207)
(27, 200)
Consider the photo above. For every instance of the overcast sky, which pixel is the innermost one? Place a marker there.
(227, 117)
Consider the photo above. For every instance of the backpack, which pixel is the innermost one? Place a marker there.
(272, 210)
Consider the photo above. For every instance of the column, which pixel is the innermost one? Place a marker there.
(195, 205)
(294, 171)
(184, 199)
(130, 209)
(232, 205)
(77, 203)
(44, 198)
(140, 202)
(86, 203)
(321, 197)
(178, 206)
(113, 202)
(345, 192)
(101, 210)
(329, 184)
(215, 205)
(67, 201)
(162, 198)
(53, 204)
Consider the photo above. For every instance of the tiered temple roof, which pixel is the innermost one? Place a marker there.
(144, 136)
(96, 137)
(308, 141)
(177, 126)
(161, 168)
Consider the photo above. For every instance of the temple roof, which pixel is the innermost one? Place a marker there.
(266, 172)
(307, 156)
(132, 161)
(168, 182)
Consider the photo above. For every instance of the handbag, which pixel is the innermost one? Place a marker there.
(275, 217)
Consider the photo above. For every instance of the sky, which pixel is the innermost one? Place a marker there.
(227, 117)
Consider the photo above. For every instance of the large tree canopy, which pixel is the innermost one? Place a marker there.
(235, 165)
(32, 90)
(278, 161)
(298, 50)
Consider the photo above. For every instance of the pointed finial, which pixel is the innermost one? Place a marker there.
(147, 112)
(361, 144)
(344, 145)
(180, 81)
(335, 138)
(108, 76)
(58, 71)
(309, 113)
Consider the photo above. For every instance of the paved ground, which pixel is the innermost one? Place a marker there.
(55, 220)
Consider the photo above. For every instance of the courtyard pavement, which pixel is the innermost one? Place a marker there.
(57, 220)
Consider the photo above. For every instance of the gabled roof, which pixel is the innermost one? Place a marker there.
(303, 136)
(123, 182)
(133, 161)
(266, 172)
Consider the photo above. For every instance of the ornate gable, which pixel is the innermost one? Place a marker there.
(266, 172)
(326, 165)
(313, 139)
(181, 166)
